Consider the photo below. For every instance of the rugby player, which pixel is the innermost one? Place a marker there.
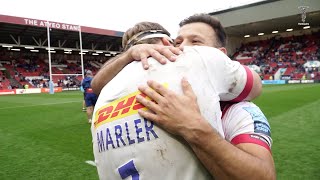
(245, 153)
(84, 97)
(89, 97)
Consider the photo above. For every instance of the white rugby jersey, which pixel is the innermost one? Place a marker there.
(127, 145)
(244, 122)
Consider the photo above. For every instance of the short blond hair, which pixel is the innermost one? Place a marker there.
(130, 36)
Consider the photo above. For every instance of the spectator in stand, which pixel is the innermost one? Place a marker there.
(312, 75)
(44, 85)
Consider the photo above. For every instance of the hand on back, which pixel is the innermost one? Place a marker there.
(159, 52)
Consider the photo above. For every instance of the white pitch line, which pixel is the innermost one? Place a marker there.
(92, 163)
(47, 104)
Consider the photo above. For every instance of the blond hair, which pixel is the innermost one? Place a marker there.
(131, 36)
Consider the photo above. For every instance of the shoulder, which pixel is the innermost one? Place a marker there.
(202, 50)
(243, 105)
(196, 53)
(246, 108)
(212, 56)
(247, 114)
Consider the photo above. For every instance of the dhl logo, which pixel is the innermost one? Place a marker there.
(117, 109)
(120, 108)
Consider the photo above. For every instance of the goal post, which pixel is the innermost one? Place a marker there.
(51, 83)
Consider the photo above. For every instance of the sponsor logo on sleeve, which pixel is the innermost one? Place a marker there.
(261, 124)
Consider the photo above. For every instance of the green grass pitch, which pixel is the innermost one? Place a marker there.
(46, 136)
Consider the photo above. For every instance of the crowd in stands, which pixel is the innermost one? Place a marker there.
(33, 71)
(283, 52)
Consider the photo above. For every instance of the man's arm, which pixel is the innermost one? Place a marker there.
(256, 88)
(226, 161)
(252, 88)
(138, 52)
(233, 81)
(222, 159)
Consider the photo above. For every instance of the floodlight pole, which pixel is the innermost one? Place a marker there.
(51, 85)
(81, 53)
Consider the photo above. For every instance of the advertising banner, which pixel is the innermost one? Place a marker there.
(47, 90)
(28, 91)
(273, 81)
(7, 91)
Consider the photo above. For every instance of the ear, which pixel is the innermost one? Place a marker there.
(166, 42)
(224, 50)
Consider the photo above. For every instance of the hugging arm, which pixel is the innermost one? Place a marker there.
(221, 158)
(138, 52)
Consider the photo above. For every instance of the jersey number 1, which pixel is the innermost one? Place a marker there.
(129, 170)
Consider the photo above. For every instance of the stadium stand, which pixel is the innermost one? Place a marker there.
(280, 46)
(24, 51)
(285, 54)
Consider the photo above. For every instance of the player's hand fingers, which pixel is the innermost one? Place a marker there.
(180, 48)
(159, 88)
(145, 64)
(138, 52)
(176, 50)
(149, 115)
(187, 89)
(169, 52)
(157, 56)
(147, 103)
(150, 93)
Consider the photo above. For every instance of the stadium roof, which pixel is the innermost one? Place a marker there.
(278, 24)
(268, 16)
(20, 32)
